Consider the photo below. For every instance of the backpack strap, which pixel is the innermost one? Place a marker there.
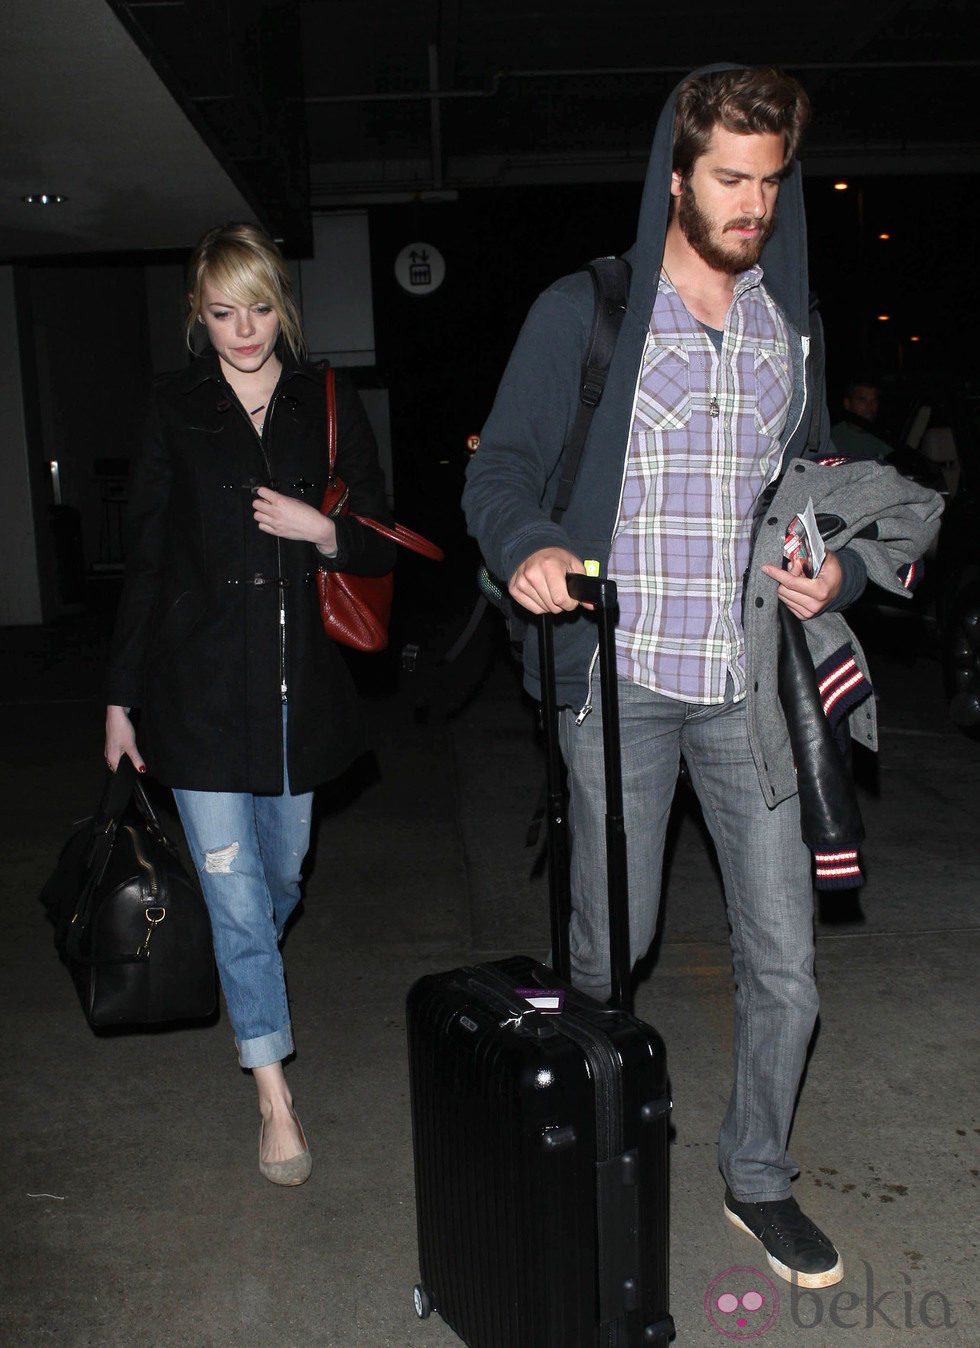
(611, 283)
(611, 287)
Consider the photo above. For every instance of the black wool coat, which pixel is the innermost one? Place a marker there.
(199, 647)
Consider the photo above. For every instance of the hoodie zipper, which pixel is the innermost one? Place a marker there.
(805, 345)
(586, 707)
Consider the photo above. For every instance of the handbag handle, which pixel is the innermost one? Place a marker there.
(406, 538)
(119, 789)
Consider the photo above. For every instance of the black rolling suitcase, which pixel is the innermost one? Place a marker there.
(540, 1135)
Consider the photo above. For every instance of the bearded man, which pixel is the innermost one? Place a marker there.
(711, 437)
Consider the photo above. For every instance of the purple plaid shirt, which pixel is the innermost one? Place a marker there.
(704, 441)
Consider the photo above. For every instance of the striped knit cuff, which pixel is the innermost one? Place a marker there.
(841, 685)
(838, 870)
(910, 574)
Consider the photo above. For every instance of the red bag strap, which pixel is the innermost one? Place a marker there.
(407, 538)
(331, 419)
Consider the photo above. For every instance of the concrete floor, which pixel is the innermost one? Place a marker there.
(133, 1211)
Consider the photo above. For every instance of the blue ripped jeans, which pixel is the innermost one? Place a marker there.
(248, 851)
(766, 870)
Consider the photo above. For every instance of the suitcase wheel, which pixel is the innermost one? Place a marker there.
(423, 1305)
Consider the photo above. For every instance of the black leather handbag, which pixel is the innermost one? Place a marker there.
(129, 922)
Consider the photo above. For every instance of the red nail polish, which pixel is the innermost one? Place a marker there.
(143, 767)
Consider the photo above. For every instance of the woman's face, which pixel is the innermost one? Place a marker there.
(244, 335)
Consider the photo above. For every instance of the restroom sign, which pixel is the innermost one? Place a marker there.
(420, 268)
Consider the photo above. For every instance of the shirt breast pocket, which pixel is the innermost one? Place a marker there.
(772, 390)
(664, 399)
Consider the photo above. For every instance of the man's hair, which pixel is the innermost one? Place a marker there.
(748, 102)
(244, 263)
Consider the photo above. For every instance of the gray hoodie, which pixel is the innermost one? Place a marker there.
(511, 481)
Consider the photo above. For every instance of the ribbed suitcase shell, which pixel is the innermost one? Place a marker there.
(513, 1251)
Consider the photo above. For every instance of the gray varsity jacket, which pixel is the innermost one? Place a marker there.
(867, 507)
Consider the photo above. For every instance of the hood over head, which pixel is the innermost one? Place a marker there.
(784, 257)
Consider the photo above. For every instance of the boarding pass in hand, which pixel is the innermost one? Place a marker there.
(803, 540)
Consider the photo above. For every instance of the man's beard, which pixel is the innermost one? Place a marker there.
(697, 228)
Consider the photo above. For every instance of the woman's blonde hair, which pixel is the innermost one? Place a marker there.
(244, 264)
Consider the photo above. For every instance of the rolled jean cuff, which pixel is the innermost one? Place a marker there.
(267, 1049)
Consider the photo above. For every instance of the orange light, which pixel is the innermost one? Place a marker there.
(884, 318)
(914, 339)
(884, 236)
(840, 187)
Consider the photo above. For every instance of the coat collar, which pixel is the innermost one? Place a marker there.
(206, 369)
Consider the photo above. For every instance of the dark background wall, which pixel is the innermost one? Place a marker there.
(86, 361)
(441, 355)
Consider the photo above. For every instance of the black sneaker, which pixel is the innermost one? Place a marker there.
(797, 1250)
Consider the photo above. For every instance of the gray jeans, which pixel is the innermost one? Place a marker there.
(766, 870)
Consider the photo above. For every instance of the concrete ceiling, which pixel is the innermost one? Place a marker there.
(403, 98)
(84, 114)
(444, 94)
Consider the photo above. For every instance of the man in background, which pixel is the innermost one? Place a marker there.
(852, 436)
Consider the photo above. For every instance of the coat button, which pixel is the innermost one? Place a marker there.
(799, 468)
(759, 602)
(772, 520)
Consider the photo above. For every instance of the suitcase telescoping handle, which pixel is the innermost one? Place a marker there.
(601, 593)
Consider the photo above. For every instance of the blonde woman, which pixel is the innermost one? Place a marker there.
(220, 665)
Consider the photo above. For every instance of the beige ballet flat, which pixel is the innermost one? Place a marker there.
(295, 1170)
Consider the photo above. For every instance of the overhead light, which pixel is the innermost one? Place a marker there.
(884, 236)
(43, 199)
(884, 318)
(915, 339)
(840, 187)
